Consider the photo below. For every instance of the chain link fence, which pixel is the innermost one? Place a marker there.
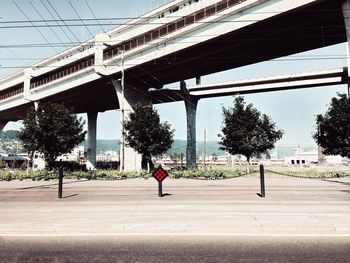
(328, 175)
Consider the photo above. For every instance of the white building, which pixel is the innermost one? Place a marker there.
(302, 157)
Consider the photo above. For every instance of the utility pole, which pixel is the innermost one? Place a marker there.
(122, 163)
(321, 157)
(204, 146)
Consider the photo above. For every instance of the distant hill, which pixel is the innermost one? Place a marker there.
(105, 145)
(179, 146)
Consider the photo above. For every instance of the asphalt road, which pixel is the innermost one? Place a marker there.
(291, 207)
(300, 220)
(174, 249)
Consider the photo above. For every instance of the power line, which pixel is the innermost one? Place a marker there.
(61, 27)
(207, 58)
(16, 57)
(320, 56)
(80, 18)
(142, 22)
(237, 40)
(53, 8)
(35, 27)
(145, 17)
(119, 24)
(36, 10)
(92, 12)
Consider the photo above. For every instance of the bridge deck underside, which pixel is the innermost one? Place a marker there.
(314, 26)
(96, 96)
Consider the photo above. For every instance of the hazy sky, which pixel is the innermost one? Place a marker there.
(293, 111)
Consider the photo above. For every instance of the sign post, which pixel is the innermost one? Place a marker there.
(160, 189)
(160, 174)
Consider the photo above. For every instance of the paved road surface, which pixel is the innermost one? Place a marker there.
(292, 206)
(175, 249)
(300, 220)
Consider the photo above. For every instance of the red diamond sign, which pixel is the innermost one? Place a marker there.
(160, 174)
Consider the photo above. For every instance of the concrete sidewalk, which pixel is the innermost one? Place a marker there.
(190, 207)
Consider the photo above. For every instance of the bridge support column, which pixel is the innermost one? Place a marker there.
(321, 157)
(346, 15)
(91, 140)
(130, 160)
(191, 111)
(2, 124)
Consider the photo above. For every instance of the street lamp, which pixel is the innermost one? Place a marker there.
(122, 163)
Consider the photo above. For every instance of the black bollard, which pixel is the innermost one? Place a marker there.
(160, 189)
(60, 182)
(262, 181)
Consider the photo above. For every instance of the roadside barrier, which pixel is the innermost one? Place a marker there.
(336, 175)
(320, 177)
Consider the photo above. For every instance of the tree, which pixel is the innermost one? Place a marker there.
(52, 130)
(333, 132)
(246, 131)
(146, 134)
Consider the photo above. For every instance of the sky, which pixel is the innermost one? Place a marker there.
(293, 111)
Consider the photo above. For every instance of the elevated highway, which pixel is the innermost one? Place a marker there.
(181, 40)
(284, 82)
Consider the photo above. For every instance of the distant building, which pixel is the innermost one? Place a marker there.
(108, 156)
(38, 161)
(9, 160)
(301, 157)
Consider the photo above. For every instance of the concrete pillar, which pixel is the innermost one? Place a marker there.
(2, 124)
(191, 111)
(100, 40)
(321, 156)
(130, 160)
(346, 15)
(91, 140)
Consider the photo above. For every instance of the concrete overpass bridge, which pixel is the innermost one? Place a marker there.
(180, 40)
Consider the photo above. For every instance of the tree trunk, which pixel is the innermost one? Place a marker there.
(151, 164)
(144, 163)
(147, 164)
(247, 168)
(31, 160)
(49, 162)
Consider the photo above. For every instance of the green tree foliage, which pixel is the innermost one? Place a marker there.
(333, 132)
(246, 131)
(52, 130)
(146, 134)
(2, 163)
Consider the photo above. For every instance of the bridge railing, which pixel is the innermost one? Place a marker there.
(169, 28)
(43, 73)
